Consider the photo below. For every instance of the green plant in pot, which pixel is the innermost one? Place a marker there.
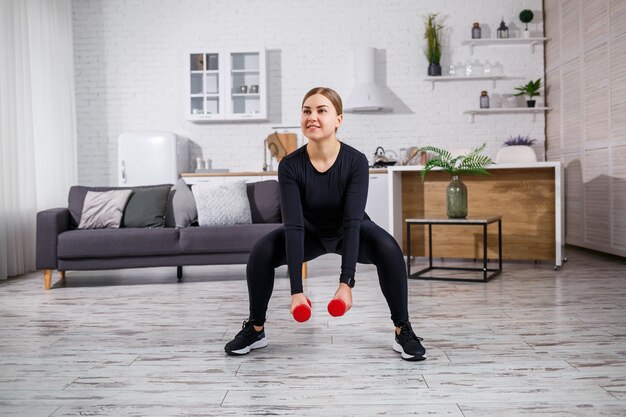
(474, 162)
(526, 16)
(531, 90)
(432, 34)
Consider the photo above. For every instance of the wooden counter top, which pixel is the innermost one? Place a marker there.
(253, 173)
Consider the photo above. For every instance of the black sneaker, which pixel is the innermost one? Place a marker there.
(246, 340)
(408, 344)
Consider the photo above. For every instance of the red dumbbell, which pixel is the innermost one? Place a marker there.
(302, 312)
(336, 307)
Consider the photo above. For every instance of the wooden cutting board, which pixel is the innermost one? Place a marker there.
(281, 144)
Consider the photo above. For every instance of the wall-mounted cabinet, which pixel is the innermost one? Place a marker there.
(227, 85)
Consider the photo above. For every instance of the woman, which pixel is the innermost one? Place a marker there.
(323, 190)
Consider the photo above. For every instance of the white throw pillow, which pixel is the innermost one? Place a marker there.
(104, 210)
(222, 204)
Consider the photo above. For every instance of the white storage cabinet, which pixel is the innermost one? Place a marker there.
(227, 85)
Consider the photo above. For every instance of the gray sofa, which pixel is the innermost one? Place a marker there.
(62, 247)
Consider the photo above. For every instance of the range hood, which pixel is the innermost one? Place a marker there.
(366, 96)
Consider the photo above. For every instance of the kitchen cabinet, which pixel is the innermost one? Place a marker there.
(529, 195)
(377, 205)
(227, 86)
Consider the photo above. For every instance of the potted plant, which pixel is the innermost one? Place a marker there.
(432, 34)
(473, 162)
(517, 149)
(526, 16)
(530, 89)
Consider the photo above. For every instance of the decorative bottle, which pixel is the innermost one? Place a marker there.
(484, 100)
(456, 199)
(476, 31)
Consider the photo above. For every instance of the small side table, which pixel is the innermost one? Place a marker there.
(484, 222)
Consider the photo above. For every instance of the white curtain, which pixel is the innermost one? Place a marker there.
(37, 122)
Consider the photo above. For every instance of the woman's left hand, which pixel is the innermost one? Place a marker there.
(344, 293)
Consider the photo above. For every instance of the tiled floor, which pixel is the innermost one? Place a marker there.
(532, 342)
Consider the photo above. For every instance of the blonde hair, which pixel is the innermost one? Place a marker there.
(330, 94)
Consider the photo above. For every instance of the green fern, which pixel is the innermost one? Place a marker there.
(473, 163)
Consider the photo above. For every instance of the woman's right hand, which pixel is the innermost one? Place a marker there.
(296, 300)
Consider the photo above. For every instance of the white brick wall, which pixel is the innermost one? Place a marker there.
(131, 62)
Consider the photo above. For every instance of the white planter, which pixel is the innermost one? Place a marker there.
(517, 153)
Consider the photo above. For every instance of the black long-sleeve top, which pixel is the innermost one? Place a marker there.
(329, 204)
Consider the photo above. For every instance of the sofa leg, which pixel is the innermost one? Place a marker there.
(62, 273)
(304, 270)
(179, 272)
(47, 278)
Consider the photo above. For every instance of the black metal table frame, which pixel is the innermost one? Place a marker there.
(485, 269)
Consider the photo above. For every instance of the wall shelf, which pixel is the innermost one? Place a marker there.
(504, 42)
(452, 78)
(531, 110)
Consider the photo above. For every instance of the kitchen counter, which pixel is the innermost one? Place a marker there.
(254, 173)
(377, 198)
(529, 196)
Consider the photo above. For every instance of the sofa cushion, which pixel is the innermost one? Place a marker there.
(264, 197)
(146, 207)
(223, 239)
(183, 205)
(103, 209)
(106, 243)
(222, 204)
(76, 199)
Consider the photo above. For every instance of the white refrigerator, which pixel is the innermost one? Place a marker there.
(147, 158)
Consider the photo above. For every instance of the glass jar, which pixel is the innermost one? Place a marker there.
(487, 69)
(468, 69)
(477, 69)
(476, 32)
(484, 100)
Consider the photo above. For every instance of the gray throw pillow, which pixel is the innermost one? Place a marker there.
(184, 205)
(146, 206)
(264, 197)
(103, 210)
(222, 204)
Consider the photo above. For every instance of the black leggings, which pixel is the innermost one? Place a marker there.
(376, 247)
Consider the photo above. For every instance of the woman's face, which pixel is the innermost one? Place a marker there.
(319, 118)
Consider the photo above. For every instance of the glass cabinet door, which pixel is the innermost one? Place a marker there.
(204, 84)
(245, 74)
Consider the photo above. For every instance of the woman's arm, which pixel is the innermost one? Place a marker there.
(354, 208)
(291, 211)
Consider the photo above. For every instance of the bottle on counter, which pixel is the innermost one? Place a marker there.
(476, 31)
(484, 100)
